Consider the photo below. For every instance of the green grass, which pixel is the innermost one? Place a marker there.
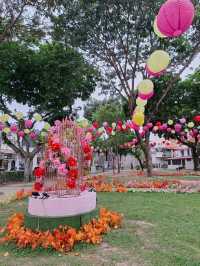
(159, 229)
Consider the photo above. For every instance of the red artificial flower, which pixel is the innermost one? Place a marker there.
(39, 172)
(109, 130)
(73, 173)
(83, 187)
(38, 186)
(72, 162)
(55, 147)
(119, 123)
(86, 148)
(88, 157)
(71, 183)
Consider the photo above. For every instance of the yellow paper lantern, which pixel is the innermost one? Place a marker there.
(43, 134)
(139, 109)
(113, 125)
(26, 131)
(156, 30)
(138, 119)
(191, 124)
(158, 61)
(19, 115)
(141, 102)
(146, 86)
(4, 118)
(6, 130)
(37, 117)
(84, 123)
(170, 122)
(47, 126)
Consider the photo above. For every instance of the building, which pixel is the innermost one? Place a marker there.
(170, 155)
(10, 161)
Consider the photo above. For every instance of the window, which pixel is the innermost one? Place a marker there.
(176, 162)
(182, 153)
(169, 162)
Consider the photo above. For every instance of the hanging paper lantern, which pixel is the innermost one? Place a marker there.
(145, 87)
(157, 63)
(163, 127)
(43, 134)
(141, 102)
(114, 125)
(19, 115)
(26, 131)
(170, 122)
(191, 124)
(37, 117)
(149, 125)
(178, 127)
(105, 124)
(4, 118)
(28, 123)
(139, 109)
(33, 135)
(156, 30)
(1, 126)
(6, 130)
(113, 133)
(182, 120)
(47, 126)
(146, 96)
(21, 134)
(13, 128)
(175, 17)
(197, 118)
(101, 130)
(138, 119)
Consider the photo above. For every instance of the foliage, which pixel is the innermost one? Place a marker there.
(48, 79)
(108, 112)
(7, 177)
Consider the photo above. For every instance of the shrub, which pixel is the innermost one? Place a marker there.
(14, 176)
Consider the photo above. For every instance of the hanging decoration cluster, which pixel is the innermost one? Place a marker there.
(173, 19)
(21, 128)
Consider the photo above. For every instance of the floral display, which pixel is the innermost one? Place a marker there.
(63, 238)
(67, 157)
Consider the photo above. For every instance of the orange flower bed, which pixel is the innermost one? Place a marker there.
(62, 238)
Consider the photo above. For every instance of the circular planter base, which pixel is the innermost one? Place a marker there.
(62, 207)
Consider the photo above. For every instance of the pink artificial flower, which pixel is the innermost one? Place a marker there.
(62, 169)
(57, 123)
(65, 151)
(33, 135)
(182, 120)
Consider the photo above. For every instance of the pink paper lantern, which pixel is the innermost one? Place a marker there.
(145, 96)
(21, 134)
(175, 17)
(13, 128)
(28, 123)
(154, 74)
(33, 135)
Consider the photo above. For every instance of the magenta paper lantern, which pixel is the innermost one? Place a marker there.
(28, 123)
(146, 96)
(33, 135)
(175, 17)
(13, 128)
(178, 128)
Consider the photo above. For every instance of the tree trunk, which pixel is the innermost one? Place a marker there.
(28, 165)
(140, 163)
(195, 157)
(148, 157)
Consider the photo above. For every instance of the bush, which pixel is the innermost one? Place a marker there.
(8, 177)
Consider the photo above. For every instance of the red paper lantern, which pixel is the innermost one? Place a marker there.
(175, 17)
(197, 118)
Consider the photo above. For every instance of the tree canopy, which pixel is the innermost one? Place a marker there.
(48, 78)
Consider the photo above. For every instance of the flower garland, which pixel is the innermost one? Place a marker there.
(63, 238)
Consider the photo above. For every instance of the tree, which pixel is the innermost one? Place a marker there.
(109, 112)
(23, 137)
(23, 19)
(48, 79)
(185, 131)
(119, 35)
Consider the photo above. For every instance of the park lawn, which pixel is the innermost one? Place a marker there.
(158, 229)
